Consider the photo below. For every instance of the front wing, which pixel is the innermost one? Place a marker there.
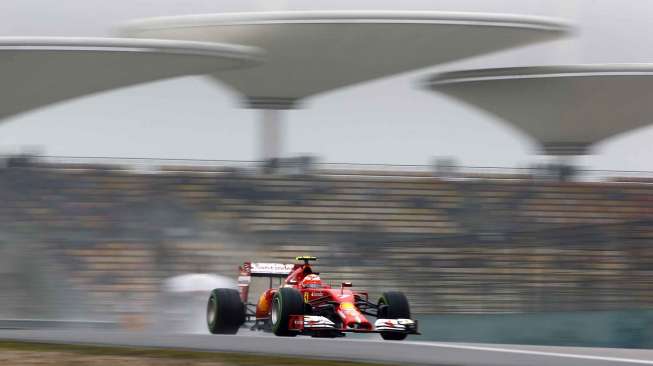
(317, 324)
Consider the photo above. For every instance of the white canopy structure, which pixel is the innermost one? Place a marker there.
(35, 72)
(566, 109)
(313, 52)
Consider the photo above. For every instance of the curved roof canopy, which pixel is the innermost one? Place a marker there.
(35, 72)
(313, 52)
(565, 108)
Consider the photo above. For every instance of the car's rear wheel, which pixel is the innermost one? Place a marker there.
(393, 305)
(286, 302)
(225, 312)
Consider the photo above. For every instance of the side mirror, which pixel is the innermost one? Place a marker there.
(292, 282)
(347, 284)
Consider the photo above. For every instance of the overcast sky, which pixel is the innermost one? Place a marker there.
(385, 121)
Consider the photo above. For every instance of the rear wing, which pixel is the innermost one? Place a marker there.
(269, 269)
(259, 269)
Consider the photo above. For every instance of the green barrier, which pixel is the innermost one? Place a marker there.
(622, 329)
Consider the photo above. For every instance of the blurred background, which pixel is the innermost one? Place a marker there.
(105, 199)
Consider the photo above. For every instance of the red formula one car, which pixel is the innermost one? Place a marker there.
(304, 305)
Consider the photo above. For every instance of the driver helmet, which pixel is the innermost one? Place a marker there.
(312, 281)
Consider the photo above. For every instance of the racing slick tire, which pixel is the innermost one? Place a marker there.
(225, 312)
(287, 301)
(393, 305)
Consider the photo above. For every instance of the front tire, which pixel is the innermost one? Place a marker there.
(287, 301)
(393, 305)
(225, 312)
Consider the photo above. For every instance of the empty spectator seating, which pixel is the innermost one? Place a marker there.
(453, 245)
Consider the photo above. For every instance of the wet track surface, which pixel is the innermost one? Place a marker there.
(411, 352)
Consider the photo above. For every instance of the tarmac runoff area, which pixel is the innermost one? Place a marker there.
(405, 352)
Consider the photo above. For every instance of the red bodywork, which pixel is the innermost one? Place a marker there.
(343, 299)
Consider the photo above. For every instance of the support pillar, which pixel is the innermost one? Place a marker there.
(562, 159)
(271, 134)
(271, 129)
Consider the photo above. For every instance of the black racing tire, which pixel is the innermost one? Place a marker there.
(287, 301)
(225, 312)
(393, 305)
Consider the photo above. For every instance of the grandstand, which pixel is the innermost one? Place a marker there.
(475, 243)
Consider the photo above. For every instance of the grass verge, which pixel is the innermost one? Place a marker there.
(69, 354)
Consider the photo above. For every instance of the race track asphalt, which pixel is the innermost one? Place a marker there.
(406, 352)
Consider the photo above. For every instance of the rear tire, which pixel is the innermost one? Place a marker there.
(393, 305)
(225, 312)
(287, 301)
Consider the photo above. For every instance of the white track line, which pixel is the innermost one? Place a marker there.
(539, 353)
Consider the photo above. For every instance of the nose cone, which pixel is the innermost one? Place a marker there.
(352, 318)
